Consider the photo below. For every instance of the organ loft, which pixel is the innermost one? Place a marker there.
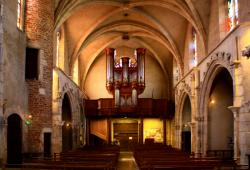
(125, 76)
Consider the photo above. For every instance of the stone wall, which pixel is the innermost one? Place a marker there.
(13, 88)
(39, 29)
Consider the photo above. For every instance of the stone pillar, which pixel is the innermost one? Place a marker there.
(177, 136)
(200, 148)
(2, 102)
(235, 111)
(195, 124)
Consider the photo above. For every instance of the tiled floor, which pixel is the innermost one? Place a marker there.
(127, 161)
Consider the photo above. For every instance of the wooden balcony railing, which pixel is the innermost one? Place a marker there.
(146, 107)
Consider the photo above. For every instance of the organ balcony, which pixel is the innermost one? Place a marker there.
(146, 107)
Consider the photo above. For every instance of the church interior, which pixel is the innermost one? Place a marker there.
(125, 84)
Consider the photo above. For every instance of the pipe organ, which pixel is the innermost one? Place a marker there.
(125, 76)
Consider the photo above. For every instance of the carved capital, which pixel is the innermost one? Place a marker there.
(235, 110)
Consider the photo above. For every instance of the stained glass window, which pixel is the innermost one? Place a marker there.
(194, 48)
(233, 14)
(20, 14)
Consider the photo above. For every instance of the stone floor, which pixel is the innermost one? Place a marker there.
(127, 161)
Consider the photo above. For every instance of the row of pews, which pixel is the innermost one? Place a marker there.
(159, 157)
(91, 158)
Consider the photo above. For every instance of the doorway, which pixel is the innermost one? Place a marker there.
(67, 135)
(186, 130)
(186, 141)
(220, 118)
(47, 144)
(14, 139)
(126, 135)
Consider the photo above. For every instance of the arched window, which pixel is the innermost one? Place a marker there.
(232, 14)
(194, 53)
(20, 14)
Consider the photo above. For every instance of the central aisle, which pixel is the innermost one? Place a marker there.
(127, 161)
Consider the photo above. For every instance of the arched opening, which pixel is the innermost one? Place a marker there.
(67, 137)
(186, 130)
(14, 139)
(220, 118)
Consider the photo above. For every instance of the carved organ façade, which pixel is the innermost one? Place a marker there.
(125, 76)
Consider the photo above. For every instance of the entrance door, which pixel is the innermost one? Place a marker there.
(126, 134)
(47, 144)
(186, 141)
(14, 139)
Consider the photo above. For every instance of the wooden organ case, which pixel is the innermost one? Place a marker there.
(125, 78)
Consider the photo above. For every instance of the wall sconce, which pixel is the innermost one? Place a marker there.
(212, 101)
(246, 52)
(28, 119)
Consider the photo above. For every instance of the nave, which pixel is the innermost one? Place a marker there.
(142, 157)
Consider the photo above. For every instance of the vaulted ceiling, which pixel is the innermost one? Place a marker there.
(158, 25)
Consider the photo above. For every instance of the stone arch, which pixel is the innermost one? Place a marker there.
(75, 112)
(185, 94)
(66, 114)
(214, 68)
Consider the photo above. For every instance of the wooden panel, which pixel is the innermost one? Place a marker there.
(160, 107)
(145, 106)
(91, 107)
(99, 128)
(106, 106)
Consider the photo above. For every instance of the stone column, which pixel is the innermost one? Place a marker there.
(195, 125)
(56, 137)
(200, 134)
(235, 111)
(3, 121)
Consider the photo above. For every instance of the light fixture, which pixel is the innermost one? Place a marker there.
(212, 101)
(28, 119)
(246, 52)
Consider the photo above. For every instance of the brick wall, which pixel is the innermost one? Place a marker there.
(39, 30)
